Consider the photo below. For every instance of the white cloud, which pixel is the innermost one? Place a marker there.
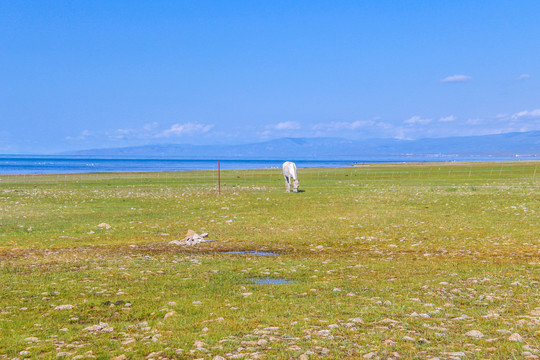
(523, 76)
(340, 125)
(418, 120)
(184, 129)
(151, 126)
(475, 121)
(457, 78)
(82, 136)
(447, 118)
(527, 114)
(402, 134)
(286, 125)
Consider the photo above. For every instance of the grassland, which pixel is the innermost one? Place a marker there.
(388, 261)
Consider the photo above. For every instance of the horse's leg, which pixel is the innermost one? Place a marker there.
(287, 184)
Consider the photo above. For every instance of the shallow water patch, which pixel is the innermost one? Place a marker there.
(270, 281)
(253, 252)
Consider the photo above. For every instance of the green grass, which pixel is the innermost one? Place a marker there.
(426, 251)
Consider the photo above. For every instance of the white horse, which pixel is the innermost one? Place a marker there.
(289, 172)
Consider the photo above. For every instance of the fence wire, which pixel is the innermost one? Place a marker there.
(354, 177)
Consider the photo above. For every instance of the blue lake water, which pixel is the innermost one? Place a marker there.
(27, 164)
(253, 252)
(270, 281)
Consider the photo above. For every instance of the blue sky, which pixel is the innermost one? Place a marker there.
(91, 74)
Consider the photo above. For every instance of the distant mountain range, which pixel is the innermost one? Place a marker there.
(509, 144)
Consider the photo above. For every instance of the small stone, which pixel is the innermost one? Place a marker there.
(409, 338)
(217, 357)
(128, 341)
(169, 314)
(323, 332)
(119, 357)
(303, 357)
(24, 352)
(262, 342)
(515, 337)
(101, 327)
(475, 334)
(356, 320)
(387, 303)
(456, 354)
(189, 234)
(62, 307)
(32, 339)
(104, 225)
(370, 355)
(199, 344)
(175, 242)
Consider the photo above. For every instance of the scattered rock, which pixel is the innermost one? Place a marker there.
(101, 327)
(175, 242)
(356, 320)
(199, 344)
(475, 334)
(64, 307)
(192, 238)
(515, 337)
(169, 314)
(370, 355)
(323, 333)
(104, 225)
(455, 354)
(119, 357)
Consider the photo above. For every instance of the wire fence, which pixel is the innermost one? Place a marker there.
(352, 177)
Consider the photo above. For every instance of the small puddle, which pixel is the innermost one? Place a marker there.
(258, 253)
(269, 281)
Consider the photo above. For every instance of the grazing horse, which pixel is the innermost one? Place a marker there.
(289, 172)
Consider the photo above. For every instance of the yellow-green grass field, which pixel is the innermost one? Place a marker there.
(386, 261)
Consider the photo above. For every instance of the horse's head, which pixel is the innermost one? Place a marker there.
(295, 185)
